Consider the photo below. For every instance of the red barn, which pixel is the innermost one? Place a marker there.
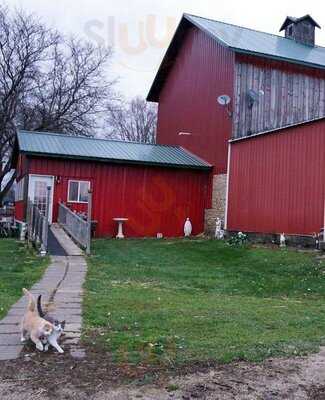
(217, 84)
(276, 181)
(155, 187)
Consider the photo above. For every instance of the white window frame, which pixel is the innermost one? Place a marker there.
(31, 194)
(78, 181)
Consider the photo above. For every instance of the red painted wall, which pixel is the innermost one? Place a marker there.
(277, 181)
(21, 169)
(154, 199)
(278, 64)
(20, 210)
(202, 71)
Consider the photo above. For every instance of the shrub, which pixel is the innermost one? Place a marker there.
(238, 240)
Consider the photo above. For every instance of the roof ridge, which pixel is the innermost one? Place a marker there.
(249, 29)
(98, 139)
(194, 155)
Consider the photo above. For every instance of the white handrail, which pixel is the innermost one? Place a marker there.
(75, 226)
(38, 225)
(71, 212)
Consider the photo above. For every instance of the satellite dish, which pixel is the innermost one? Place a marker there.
(224, 100)
(254, 96)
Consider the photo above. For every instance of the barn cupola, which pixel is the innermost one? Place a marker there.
(302, 30)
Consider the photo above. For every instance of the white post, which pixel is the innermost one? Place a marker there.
(28, 220)
(227, 187)
(90, 199)
(324, 222)
(46, 221)
(23, 231)
(120, 230)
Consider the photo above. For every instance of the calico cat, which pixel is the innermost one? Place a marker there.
(33, 326)
(52, 339)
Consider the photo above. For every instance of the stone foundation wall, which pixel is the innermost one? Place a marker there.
(219, 191)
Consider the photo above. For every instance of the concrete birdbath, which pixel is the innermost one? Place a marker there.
(120, 221)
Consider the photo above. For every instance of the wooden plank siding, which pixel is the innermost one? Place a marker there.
(292, 94)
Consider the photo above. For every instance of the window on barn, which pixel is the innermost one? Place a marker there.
(78, 191)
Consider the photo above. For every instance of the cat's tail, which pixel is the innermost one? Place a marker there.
(39, 306)
(31, 301)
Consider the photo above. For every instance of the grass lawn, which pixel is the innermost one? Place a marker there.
(180, 301)
(19, 268)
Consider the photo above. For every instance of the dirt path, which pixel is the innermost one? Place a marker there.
(52, 376)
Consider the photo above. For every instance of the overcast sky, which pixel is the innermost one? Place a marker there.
(140, 30)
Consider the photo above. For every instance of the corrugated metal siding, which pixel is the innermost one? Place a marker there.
(188, 101)
(154, 199)
(21, 167)
(20, 210)
(277, 181)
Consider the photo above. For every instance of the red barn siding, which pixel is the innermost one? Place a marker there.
(280, 64)
(276, 181)
(154, 199)
(21, 170)
(202, 71)
(22, 166)
(20, 210)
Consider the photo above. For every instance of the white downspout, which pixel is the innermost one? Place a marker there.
(227, 188)
(324, 222)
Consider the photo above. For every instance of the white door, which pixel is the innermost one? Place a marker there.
(37, 192)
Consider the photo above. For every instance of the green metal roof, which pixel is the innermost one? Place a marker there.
(240, 40)
(64, 146)
(250, 41)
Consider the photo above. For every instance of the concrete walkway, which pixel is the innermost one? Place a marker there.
(62, 282)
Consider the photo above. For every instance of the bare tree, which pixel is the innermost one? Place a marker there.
(24, 45)
(46, 83)
(134, 121)
(71, 95)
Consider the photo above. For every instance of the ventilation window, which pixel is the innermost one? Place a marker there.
(290, 30)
